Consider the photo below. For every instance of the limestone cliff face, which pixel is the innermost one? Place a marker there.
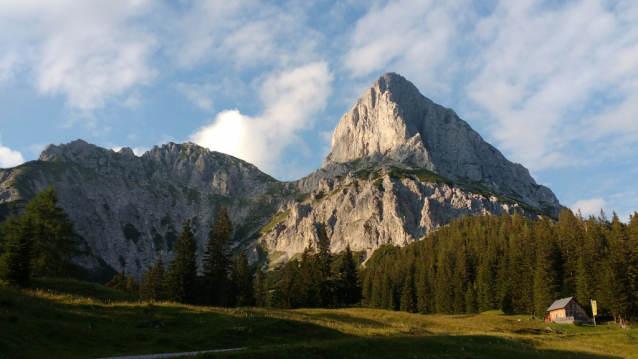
(392, 120)
(367, 210)
(400, 167)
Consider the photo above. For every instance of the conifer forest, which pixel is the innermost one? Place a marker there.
(473, 264)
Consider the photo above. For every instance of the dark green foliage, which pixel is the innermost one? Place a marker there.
(217, 261)
(153, 286)
(118, 282)
(124, 284)
(181, 276)
(260, 289)
(40, 242)
(16, 262)
(241, 281)
(317, 281)
(347, 289)
(484, 263)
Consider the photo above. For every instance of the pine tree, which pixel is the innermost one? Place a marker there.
(217, 261)
(153, 284)
(242, 282)
(309, 278)
(348, 290)
(324, 263)
(471, 303)
(118, 282)
(407, 296)
(16, 262)
(50, 233)
(260, 289)
(182, 270)
(545, 273)
(288, 294)
(131, 286)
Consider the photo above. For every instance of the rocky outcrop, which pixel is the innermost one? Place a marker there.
(128, 210)
(400, 167)
(393, 121)
(366, 210)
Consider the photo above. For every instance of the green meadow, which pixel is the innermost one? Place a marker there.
(73, 319)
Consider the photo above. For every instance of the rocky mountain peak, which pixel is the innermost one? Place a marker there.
(393, 121)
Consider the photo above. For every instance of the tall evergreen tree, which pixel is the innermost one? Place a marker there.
(407, 295)
(260, 288)
(118, 282)
(182, 270)
(324, 263)
(153, 284)
(217, 261)
(131, 286)
(242, 282)
(16, 262)
(50, 232)
(348, 290)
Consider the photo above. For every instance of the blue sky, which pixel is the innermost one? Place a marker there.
(552, 84)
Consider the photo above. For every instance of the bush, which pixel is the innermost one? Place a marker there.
(578, 323)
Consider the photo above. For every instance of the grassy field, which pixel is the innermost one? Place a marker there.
(69, 319)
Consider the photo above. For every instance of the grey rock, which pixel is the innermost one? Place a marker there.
(392, 120)
(400, 167)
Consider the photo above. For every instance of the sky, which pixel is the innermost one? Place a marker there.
(552, 84)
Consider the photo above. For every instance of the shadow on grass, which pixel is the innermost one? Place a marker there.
(465, 347)
(39, 326)
(336, 317)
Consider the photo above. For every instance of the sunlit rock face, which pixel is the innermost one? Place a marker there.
(400, 167)
(393, 121)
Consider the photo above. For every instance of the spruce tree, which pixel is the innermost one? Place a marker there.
(348, 290)
(153, 284)
(324, 263)
(407, 296)
(50, 233)
(182, 270)
(217, 261)
(241, 282)
(471, 303)
(16, 262)
(260, 288)
(118, 282)
(131, 286)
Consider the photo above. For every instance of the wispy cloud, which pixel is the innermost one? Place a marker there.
(547, 80)
(88, 52)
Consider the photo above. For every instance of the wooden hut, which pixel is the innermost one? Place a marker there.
(565, 311)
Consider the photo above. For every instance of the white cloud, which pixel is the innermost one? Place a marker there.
(290, 99)
(140, 150)
(590, 206)
(415, 38)
(9, 158)
(547, 78)
(87, 51)
(199, 95)
(241, 34)
(541, 69)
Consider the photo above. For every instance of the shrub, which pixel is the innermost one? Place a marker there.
(578, 323)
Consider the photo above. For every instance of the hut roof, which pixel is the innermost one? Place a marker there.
(560, 304)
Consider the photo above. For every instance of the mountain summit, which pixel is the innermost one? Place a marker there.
(400, 168)
(394, 121)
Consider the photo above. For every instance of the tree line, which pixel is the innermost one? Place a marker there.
(471, 265)
(224, 280)
(510, 263)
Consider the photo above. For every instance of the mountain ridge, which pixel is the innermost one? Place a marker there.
(128, 209)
